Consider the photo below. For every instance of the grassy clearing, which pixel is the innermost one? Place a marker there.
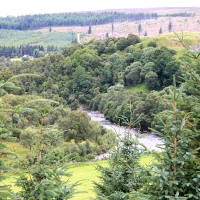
(170, 40)
(141, 87)
(17, 38)
(85, 173)
(15, 59)
(17, 148)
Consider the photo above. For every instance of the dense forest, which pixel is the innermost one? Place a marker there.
(31, 22)
(20, 51)
(183, 14)
(98, 73)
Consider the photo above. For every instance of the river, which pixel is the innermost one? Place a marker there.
(149, 140)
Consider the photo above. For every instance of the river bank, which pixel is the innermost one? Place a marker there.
(149, 140)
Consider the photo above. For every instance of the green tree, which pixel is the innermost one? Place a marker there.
(148, 54)
(75, 105)
(132, 73)
(152, 44)
(81, 79)
(76, 126)
(132, 39)
(87, 58)
(113, 28)
(147, 106)
(137, 55)
(7, 123)
(165, 66)
(29, 138)
(5, 74)
(145, 70)
(111, 47)
(121, 43)
(176, 173)
(160, 30)
(124, 173)
(139, 28)
(46, 182)
(170, 26)
(90, 29)
(151, 80)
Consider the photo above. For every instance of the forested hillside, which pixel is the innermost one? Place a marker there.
(53, 32)
(99, 73)
(30, 22)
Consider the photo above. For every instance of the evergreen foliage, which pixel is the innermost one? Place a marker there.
(4, 63)
(124, 173)
(176, 175)
(31, 22)
(44, 179)
(7, 123)
(85, 70)
(139, 28)
(182, 14)
(90, 30)
(160, 30)
(170, 26)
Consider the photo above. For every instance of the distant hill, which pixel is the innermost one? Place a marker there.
(182, 19)
(159, 10)
(110, 23)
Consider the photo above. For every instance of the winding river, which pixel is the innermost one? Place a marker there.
(149, 140)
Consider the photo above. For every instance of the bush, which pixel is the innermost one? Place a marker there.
(152, 44)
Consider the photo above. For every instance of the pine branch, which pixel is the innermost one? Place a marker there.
(41, 100)
(22, 75)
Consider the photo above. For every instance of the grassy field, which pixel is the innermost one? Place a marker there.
(85, 173)
(15, 59)
(141, 87)
(17, 38)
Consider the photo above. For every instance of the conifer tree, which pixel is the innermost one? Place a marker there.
(44, 180)
(124, 173)
(90, 29)
(41, 180)
(8, 119)
(113, 28)
(139, 28)
(176, 173)
(160, 30)
(170, 26)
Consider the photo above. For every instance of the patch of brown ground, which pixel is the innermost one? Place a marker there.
(152, 26)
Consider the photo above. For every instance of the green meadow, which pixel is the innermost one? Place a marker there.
(83, 173)
(141, 87)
